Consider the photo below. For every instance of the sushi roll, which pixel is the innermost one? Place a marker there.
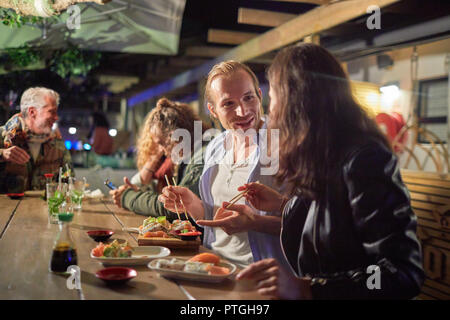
(176, 264)
(198, 267)
(152, 227)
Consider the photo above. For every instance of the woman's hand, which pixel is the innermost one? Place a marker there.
(177, 198)
(274, 281)
(117, 193)
(231, 221)
(263, 197)
(151, 166)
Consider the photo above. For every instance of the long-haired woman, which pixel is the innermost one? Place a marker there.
(150, 159)
(167, 117)
(348, 230)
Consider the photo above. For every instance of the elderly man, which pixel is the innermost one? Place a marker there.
(232, 159)
(29, 147)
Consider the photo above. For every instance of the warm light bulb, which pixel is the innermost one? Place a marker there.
(389, 94)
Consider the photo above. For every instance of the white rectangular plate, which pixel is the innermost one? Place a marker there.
(140, 256)
(195, 276)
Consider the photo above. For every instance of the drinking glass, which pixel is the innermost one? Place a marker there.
(76, 191)
(56, 195)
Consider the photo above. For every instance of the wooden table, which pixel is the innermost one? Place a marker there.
(26, 245)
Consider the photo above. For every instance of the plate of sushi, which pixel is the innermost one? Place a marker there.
(117, 253)
(159, 231)
(159, 227)
(204, 267)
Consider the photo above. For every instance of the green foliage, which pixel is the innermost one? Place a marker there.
(10, 18)
(74, 62)
(66, 63)
(23, 56)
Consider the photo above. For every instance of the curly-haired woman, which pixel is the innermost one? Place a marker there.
(151, 160)
(161, 123)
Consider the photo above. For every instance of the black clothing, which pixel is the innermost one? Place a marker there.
(365, 218)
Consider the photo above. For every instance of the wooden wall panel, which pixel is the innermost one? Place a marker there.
(430, 200)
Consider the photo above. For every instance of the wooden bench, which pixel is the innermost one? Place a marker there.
(430, 200)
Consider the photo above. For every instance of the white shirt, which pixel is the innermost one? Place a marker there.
(225, 181)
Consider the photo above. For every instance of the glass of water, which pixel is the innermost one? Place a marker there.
(76, 191)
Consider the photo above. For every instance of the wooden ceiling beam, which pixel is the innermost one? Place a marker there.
(263, 17)
(229, 37)
(311, 22)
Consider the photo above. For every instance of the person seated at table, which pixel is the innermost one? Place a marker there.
(29, 148)
(162, 122)
(348, 229)
(151, 160)
(102, 142)
(234, 98)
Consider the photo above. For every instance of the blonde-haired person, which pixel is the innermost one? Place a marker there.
(161, 123)
(232, 159)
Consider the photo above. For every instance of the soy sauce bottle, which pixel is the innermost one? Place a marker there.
(64, 252)
(48, 179)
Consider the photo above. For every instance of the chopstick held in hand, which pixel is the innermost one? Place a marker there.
(185, 211)
(176, 208)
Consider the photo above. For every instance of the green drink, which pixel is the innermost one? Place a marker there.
(76, 196)
(76, 191)
(55, 198)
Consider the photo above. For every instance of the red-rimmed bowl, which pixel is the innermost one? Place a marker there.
(116, 275)
(190, 236)
(100, 235)
(15, 195)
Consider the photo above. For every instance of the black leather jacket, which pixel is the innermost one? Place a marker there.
(364, 219)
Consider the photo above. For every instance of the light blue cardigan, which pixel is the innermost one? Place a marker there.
(263, 245)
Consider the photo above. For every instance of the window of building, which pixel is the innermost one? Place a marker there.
(433, 107)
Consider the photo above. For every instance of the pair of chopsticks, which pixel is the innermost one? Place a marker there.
(176, 208)
(237, 198)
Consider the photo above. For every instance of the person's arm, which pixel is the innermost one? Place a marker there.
(147, 172)
(146, 203)
(136, 179)
(12, 154)
(146, 175)
(386, 225)
(266, 224)
(242, 218)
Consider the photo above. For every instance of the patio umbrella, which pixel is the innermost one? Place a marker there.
(146, 26)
